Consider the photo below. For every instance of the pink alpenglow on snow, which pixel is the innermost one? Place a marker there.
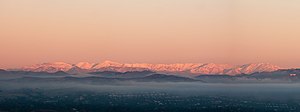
(189, 68)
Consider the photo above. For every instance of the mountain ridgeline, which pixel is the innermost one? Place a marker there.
(181, 69)
(113, 71)
(279, 76)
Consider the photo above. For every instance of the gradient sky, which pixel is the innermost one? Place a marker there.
(150, 31)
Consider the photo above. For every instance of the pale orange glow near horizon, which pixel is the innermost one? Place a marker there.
(150, 31)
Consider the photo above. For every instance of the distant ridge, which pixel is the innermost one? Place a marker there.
(185, 68)
(2, 70)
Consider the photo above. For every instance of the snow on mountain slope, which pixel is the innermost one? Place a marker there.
(260, 67)
(84, 65)
(49, 67)
(209, 68)
(252, 68)
(107, 64)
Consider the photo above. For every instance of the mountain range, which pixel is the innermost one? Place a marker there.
(111, 77)
(186, 69)
(109, 74)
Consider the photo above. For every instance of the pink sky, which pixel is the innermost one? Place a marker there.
(150, 31)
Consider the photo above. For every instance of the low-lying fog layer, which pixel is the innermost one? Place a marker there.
(284, 91)
(133, 96)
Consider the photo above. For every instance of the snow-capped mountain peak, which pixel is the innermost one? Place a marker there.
(84, 65)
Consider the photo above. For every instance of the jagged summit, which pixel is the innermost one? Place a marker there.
(189, 68)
